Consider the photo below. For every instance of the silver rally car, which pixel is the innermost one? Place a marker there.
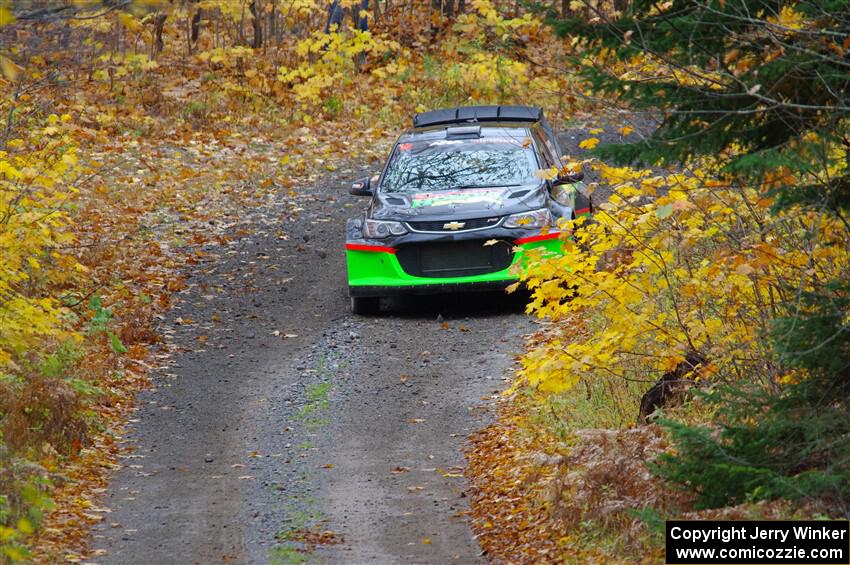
(459, 178)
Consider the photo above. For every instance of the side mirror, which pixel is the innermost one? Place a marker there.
(569, 178)
(362, 187)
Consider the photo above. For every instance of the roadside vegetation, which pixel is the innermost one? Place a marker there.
(134, 136)
(694, 361)
(135, 132)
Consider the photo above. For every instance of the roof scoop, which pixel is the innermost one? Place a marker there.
(463, 132)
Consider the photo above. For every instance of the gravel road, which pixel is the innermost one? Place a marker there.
(287, 424)
(288, 430)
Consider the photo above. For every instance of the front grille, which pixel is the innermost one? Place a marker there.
(472, 224)
(454, 259)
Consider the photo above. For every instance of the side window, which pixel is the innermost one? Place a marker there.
(549, 159)
(550, 145)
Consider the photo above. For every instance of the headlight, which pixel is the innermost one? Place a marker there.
(533, 219)
(379, 229)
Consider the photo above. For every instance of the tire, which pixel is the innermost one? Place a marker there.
(365, 305)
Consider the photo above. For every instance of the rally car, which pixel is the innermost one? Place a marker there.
(459, 198)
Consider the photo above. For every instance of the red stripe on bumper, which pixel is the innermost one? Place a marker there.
(582, 211)
(373, 248)
(541, 237)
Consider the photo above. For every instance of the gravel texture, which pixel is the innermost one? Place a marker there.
(285, 419)
(284, 414)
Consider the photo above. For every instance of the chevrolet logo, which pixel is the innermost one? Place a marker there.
(453, 225)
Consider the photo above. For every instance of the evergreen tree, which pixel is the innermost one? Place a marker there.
(764, 86)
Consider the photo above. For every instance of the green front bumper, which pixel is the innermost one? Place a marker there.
(374, 270)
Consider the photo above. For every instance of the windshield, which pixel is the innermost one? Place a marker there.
(447, 164)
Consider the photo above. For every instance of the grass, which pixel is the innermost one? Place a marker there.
(289, 551)
(286, 555)
(300, 514)
(605, 403)
(317, 403)
(318, 398)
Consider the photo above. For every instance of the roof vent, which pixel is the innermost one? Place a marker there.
(463, 132)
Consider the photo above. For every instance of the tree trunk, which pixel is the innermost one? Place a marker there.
(273, 23)
(449, 8)
(158, 26)
(196, 24)
(335, 16)
(257, 24)
(376, 11)
(362, 22)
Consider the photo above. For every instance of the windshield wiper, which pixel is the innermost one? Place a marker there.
(486, 186)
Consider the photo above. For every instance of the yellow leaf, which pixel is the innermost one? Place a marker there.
(128, 21)
(626, 130)
(25, 526)
(6, 16)
(744, 269)
(546, 174)
(788, 17)
(589, 143)
(9, 69)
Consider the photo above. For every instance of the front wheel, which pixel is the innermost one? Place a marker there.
(365, 305)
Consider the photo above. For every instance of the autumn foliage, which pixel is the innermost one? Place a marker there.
(721, 256)
(133, 133)
(131, 130)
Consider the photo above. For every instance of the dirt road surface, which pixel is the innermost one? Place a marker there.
(288, 424)
(290, 431)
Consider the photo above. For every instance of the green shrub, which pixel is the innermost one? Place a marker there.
(793, 445)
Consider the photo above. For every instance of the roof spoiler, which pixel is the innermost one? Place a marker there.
(469, 114)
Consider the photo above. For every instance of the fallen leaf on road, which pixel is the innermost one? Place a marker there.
(94, 517)
(400, 469)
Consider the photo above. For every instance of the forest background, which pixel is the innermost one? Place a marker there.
(133, 131)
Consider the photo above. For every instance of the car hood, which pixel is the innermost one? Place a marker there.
(459, 203)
